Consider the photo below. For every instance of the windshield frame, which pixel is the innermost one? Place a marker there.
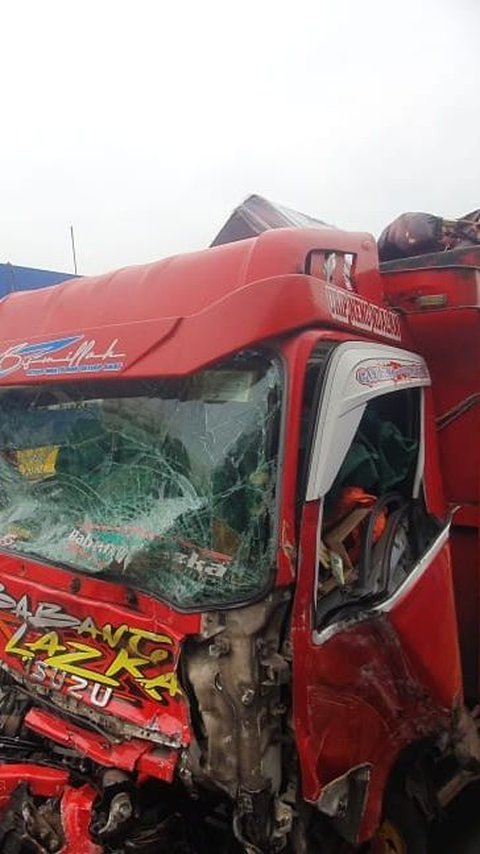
(269, 353)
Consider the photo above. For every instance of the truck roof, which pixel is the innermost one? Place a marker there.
(177, 315)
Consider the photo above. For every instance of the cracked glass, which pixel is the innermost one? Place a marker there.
(168, 486)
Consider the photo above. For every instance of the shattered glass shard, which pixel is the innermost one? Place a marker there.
(167, 485)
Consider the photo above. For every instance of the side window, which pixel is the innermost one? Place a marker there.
(374, 523)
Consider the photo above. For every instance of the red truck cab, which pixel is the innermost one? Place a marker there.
(227, 614)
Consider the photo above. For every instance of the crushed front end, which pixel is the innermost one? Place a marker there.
(144, 666)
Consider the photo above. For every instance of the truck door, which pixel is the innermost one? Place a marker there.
(376, 662)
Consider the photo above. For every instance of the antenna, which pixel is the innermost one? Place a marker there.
(72, 237)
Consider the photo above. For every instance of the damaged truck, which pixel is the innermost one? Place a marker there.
(239, 552)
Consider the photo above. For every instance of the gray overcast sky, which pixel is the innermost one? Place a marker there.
(144, 123)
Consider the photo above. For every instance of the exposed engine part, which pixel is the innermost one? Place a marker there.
(282, 824)
(121, 809)
(167, 836)
(250, 822)
(235, 674)
(27, 827)
(250, 828)
(42, 824)
(12, 711)
(466, 738)
(237, 677)
(118, 789)
(231, 776)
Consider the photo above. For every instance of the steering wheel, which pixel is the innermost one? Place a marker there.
(375, 558)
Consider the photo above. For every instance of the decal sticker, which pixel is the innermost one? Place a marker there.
(103, 551)
(74, 354)
(391, 371)
(37, 463)
(202, 566)
(351, 309)
(88, 661)
(8, 540)
(117, 544)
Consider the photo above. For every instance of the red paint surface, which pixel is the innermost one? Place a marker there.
(76, 811)
(161, 316)
(105, 604)
(126, 755)
(75, 805)
(41, 781)
(449, 338)
(376, 685)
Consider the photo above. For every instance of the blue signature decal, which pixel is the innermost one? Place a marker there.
(72, 354)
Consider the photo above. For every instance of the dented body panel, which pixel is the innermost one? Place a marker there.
(367, 688)
(93, 652)
(224, 554)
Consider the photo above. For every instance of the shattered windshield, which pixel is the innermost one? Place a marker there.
(168, 486)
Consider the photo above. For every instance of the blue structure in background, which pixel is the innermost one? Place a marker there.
(13, 278)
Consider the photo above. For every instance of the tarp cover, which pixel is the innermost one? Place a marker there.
(421, 233)
(257, 214)
(409, 235)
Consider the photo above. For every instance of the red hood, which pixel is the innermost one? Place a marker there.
(87, 645)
